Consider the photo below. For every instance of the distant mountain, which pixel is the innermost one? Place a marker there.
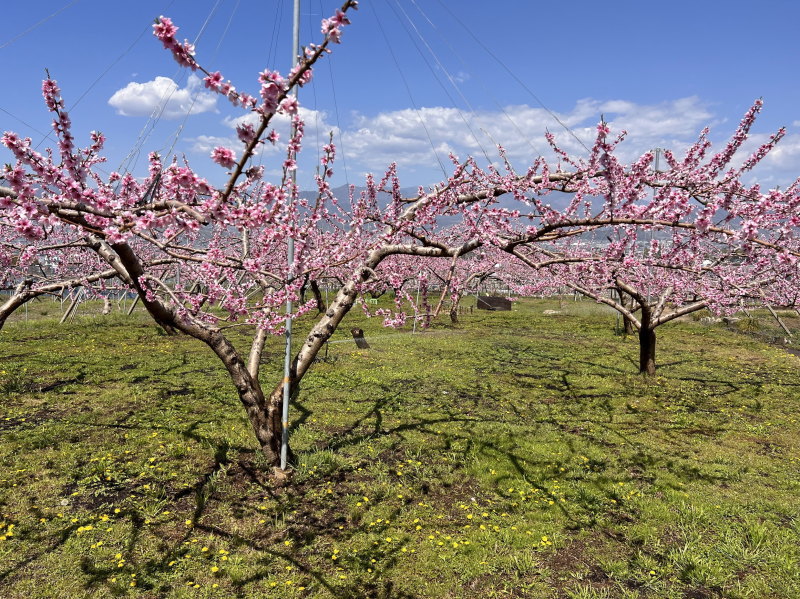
(558, 201)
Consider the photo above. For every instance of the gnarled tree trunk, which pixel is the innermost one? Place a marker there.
(647, 351)
(317, 296)
(629, 327)
(456, 302)
(647, 344)
(264, 414)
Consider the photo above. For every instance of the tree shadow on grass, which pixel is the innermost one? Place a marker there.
(306, 521)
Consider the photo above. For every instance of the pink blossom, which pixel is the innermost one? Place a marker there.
(289, 105)
(224, 157)
(183, 53)
(213, 81)
(246, 133)
(164, 29)
(305, 77)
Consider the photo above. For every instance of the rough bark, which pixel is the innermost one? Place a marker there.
(256, 351)
(629, 327)
(303, 288)
(14, 302)
(647, 344)
(317, 296)
(327, 325)
(260, 412)
(122, 257)
(454, 308)
(647, 351)
(264, 415)
(446, 288)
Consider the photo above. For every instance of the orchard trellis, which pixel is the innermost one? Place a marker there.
(183, 247)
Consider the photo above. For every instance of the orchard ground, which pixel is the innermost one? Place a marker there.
(515, 454)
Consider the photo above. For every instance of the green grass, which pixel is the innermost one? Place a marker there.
(512, 455)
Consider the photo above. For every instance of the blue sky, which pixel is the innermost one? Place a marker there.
(473, 73)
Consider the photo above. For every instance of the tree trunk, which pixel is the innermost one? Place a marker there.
(318, 296)
(14, 302)
(629, 326)
(454, 314)
(303, 288)
(264, 415)
(647, 350)
(454, 308)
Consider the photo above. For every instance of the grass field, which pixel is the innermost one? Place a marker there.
(513, 455)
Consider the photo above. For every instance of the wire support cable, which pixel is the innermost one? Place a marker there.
(129, 162)
(199, 90)
(513, 75)
(37, 24)
(487, 91)
(444, 69)
(408, 91)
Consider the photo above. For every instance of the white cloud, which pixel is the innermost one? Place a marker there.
(682, 118)
(400, 136)
(786, 155)
(316, 135)
(163, 95)
(316, 127)
(315, 121)
(371, 142)
(204, 144)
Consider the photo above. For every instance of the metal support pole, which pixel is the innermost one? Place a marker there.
(287, 362)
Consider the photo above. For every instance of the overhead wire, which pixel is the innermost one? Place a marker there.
(199, 89)
(37, 24)
(130, 161)
(513, 75)
(31, 127)
(314, 95)
(276, 30)
(486, 90)
(343, 152)
(112, 65)
(446, 72)
(97, 79)
(133, 156)
(272, 55)
(408, 91)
